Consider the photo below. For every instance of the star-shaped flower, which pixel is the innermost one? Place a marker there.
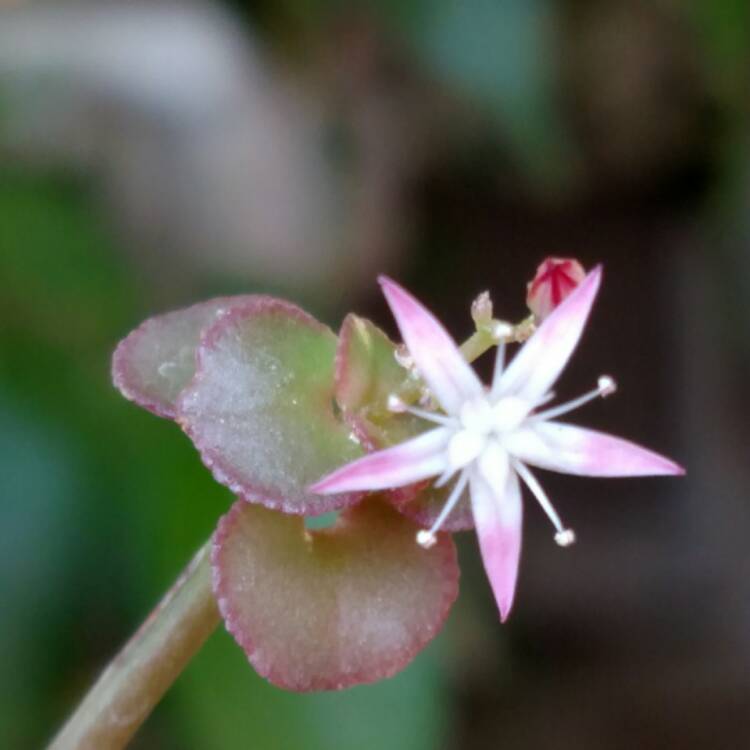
(487, 436)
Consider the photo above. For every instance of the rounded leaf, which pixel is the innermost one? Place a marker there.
(367, 373)
(329, 609)
(157, 360)
(366, 368)
(260, 408)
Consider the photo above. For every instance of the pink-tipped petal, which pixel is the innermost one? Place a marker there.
(541, 360)
(498, 515)
(434, 352)
(329, 609)
(421, 457)
(575, 450)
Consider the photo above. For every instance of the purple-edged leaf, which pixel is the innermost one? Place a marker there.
(325, 610)
(157, 360)
(366, 369)
(366, 374)
(260, 408)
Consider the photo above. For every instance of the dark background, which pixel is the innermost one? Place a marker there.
(154, 154)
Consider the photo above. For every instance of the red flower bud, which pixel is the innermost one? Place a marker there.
(555, 279)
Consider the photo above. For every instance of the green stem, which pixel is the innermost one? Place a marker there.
(477, 344)
(482, 339)
(137, 678)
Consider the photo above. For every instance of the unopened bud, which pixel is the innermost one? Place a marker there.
(555, 279)
(402, 356)
(481, 310)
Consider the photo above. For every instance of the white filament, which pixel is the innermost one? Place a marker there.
(427, 538)
(605, 386)
(564, 537)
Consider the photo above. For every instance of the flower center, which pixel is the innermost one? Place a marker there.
(479, 422)
(465, 446)
(476, 416)
(508, 414)
(479, 431)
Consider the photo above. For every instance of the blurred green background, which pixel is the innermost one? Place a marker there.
(155, 154)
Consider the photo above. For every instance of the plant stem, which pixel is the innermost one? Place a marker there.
(136, 679)
(482, 339)
(476, 345)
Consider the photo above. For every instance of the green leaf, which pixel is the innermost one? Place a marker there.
(260, 408)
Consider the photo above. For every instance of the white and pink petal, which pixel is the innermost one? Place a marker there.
(411, 461)
(498, 517)
(439, 361)
(570, 449)
(543, 357)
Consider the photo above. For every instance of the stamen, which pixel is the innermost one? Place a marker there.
(444, 478)
(549, 396)
(499, 368)
(605, 387)
(501, 331)
(564, 537)
(426, 538)
(396, 404)
(430, 416)
(481, 309)
(402, 356)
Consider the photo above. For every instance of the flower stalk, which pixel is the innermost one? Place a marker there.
(137, 678)
(488, 336)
